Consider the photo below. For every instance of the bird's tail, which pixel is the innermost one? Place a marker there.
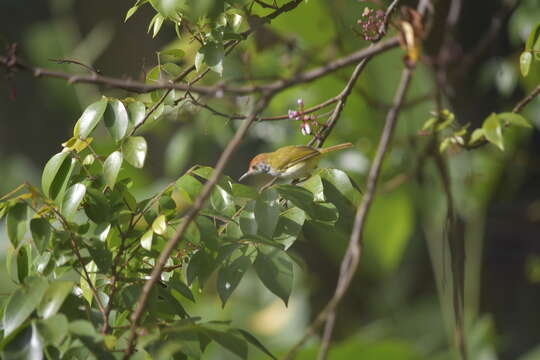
(336, 147)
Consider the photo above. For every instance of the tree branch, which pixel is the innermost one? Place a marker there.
(350, 261)
(140, 87)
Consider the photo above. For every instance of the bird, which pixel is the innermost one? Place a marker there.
(290, 162)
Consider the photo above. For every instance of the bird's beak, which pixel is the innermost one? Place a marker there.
(248, 173)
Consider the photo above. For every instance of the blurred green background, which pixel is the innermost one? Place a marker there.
(399, 306)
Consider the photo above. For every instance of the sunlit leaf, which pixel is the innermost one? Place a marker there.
(493, 131)
(72, 199)
(514, 119)
(134, 150)
(212, 55)
(26, 345)
(130, 12)
(90, 118)
(116, 119)
(525, 60)
(22, 303)
(160, 225)
(111, 168)
(56, 175)
(86, 287)
(54, 297)
(146, 240)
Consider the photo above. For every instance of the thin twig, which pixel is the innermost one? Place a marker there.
(525, 101)
(77, 62)
(321, 136)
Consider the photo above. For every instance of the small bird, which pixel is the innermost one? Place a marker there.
(290, 162)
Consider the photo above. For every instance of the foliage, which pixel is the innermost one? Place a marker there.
(84, 244)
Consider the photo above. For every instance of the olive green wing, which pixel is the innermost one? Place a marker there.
(288, 156)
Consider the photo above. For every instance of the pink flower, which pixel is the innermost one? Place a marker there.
(306, 129)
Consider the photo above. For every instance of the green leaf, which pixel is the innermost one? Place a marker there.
(525, 60)
(134, 149)
(158, 22)
(178, 285)
(56, 175)
(160, 225)
(222, 201)
(297, 195)
(533, 41)
(116, 119)
(41, 233)
(22, 263)
(72, 200)
(200, 266)
(255, 342)
(16, 222)
(171, 55)
(244, 192)
(90, 118)
(86, 288)
(137, 112)
(229, 341)
(101, 255)
(315, 185)
(514, 119)
(54, 329)
(96, 206)
(82, 328)
(275, 270)
(25, 345)
(22, 303)
(493, 131)
(41, 262)
(212, 55)
(229, 277)
(476, 136)
(288, 228)
(111, 168)
(190, 185)
(146, 240)
(266, 216)
(172, 69)
(54, 297)
(130, 12)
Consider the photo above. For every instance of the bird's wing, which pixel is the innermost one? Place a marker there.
(289, 156)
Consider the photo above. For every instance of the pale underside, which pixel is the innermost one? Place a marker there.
(298, 170)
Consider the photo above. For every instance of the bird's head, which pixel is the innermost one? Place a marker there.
(258, 165)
